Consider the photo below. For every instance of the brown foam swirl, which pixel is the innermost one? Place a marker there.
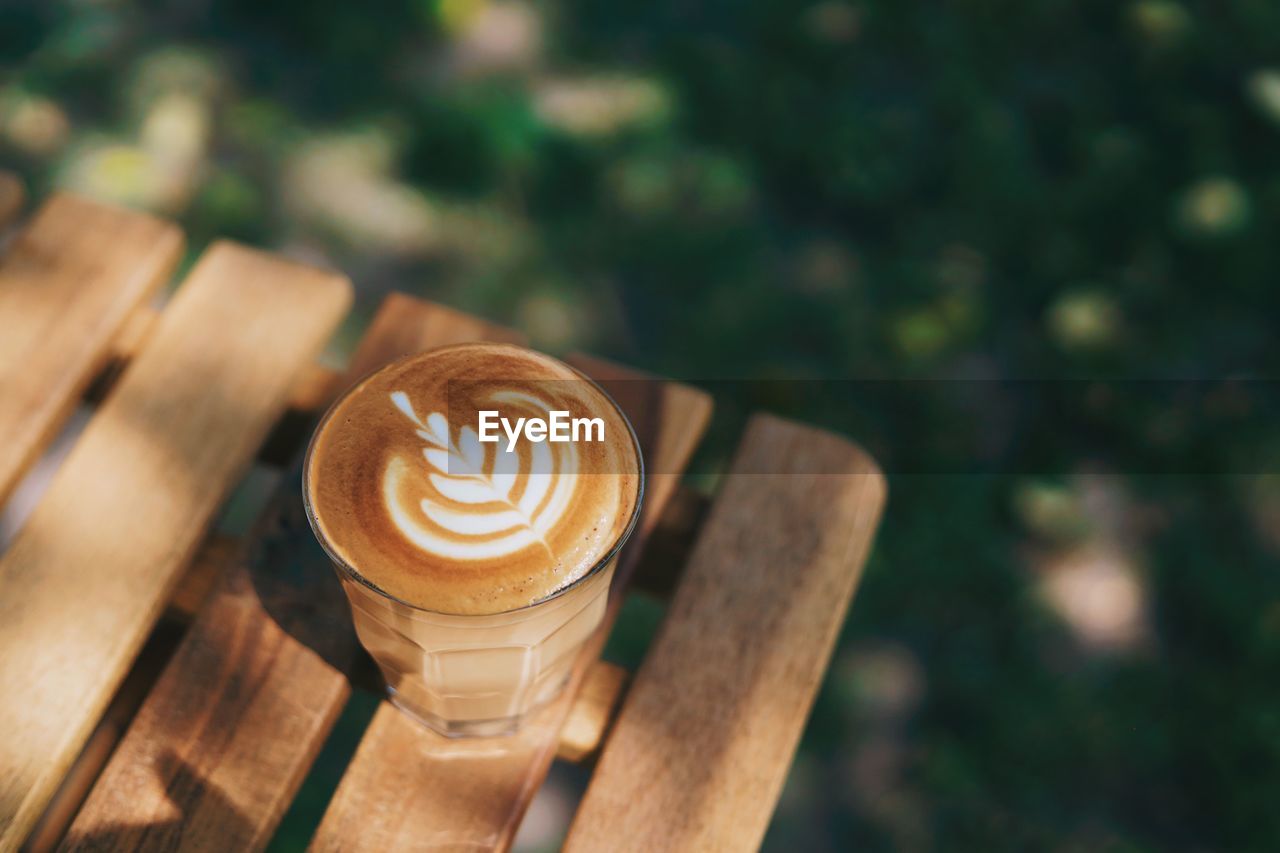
(402, 490)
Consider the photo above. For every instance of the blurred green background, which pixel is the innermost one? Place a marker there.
(1087, 659)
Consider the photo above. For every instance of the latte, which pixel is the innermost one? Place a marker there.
(406, 490)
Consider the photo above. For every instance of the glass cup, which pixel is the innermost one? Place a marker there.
(477, 675)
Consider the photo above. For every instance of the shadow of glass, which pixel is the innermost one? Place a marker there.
(299, 589)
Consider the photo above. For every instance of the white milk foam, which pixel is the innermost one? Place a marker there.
(461, 472)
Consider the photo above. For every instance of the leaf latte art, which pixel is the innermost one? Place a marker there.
(510, 506)
(404, 493)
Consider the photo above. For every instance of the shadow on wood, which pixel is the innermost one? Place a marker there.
(215, 816)
(298, 587)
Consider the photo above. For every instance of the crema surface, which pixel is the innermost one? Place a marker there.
(402, 489)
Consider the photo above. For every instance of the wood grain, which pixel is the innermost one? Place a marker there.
(68, 284)
(701, 747)
(91, 569)
(214, 558)
(314, 389)
(409, 788)
(12, 195)
(311, 394)
(80, 778)
(218, 750)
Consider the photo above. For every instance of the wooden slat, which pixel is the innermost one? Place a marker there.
(212, 560)
(660, 567)
(12, 196)
(669, 419)
(220, 746)
(89, 572)
(216, 555)
(68, 283)
(584, 728)
(701, 747)
(407, 787)
(319, 385)
(79, 779)
(314, 390)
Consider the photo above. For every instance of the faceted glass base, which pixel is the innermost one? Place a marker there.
(499, 727)
(477, 676)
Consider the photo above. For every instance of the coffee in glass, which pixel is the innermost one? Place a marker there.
(475, 546)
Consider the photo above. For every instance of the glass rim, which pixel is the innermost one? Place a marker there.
(350, 571)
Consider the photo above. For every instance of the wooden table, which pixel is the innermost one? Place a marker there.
(162, 687)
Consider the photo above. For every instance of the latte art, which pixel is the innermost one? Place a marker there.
(510, 506)
(404, 489)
